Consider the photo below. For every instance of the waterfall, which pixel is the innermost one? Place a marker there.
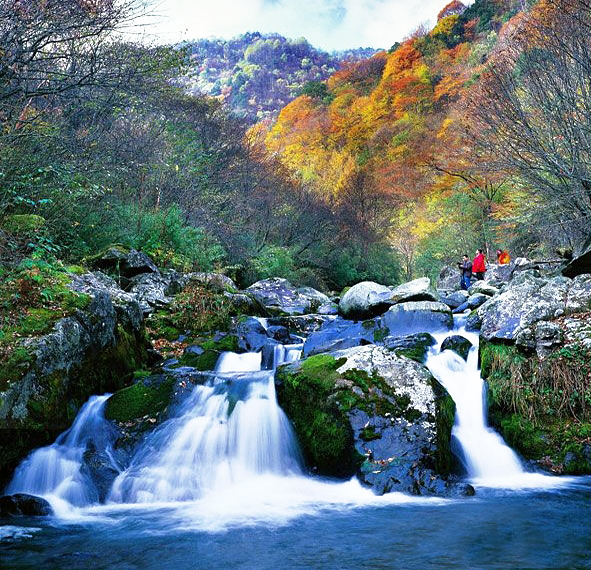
(229, 430)
(57, 471)
(484, 453)
(488, 461)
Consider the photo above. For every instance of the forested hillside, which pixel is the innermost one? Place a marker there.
(98, 147)
(258, 74)
(474, 133)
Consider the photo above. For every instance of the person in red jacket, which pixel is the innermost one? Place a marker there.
(478, 265)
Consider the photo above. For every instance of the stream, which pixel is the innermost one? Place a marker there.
(222, 485)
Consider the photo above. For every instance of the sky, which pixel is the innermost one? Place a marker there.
(326, 24)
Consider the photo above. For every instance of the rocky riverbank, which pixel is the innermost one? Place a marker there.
(361, 400)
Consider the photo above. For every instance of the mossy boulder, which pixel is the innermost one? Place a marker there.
(147, 397)
(22, 224)
(458, 344)
(205, 353)
(369, 412)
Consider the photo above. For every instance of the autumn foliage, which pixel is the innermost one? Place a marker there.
(399, 120)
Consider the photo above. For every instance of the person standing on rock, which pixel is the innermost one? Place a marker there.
(478, 265)
(466, 267)
(503, 257)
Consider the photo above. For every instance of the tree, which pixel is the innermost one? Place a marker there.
(532, 111)
(53, 49)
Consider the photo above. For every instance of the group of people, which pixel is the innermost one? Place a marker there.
(477, 266)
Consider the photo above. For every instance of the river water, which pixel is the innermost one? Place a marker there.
(495, 529)
(221, 485)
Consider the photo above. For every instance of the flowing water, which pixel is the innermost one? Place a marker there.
(222, 484)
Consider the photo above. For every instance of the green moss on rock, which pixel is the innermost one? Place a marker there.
(318, 400)
(145, 398)
(22, 223)
(212, 350)
(322, 425)
(445, 413)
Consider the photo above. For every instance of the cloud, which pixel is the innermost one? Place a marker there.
(328, 24)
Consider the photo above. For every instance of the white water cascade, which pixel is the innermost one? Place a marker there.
(486, 457)
(56, 471)
(229, 430)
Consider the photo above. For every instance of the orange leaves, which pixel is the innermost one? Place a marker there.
(455, 7)
(403, 59)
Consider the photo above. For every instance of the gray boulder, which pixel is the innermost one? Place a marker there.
(279, 297)
(302, 324)
(417, 290)
(477, 299)
(328, 309)
(449, 279)
(543, 337)
(150, 291)
(251, 334)
(417, 316)
(415, 346)
(454, 299)
(530, 298)
(216, 281)
(365, 300)
(279, 333)
(483, 288)
(92, 283)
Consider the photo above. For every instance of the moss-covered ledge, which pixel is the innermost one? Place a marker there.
(542, 407)
(93, 352)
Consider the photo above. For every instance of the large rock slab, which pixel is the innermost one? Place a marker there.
(279, 297)
(417, 290)
(342, 333)
(365, 300)
(418, 316)
(367, 411)
(125, 262)
(530, 298)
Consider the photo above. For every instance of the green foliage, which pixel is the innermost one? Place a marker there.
(163, 235)
(318, 90)
(273, 261)
(22, 223)
(259, 74)
(200, 308)
(352, 264)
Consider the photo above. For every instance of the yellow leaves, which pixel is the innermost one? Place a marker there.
(445, 26)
